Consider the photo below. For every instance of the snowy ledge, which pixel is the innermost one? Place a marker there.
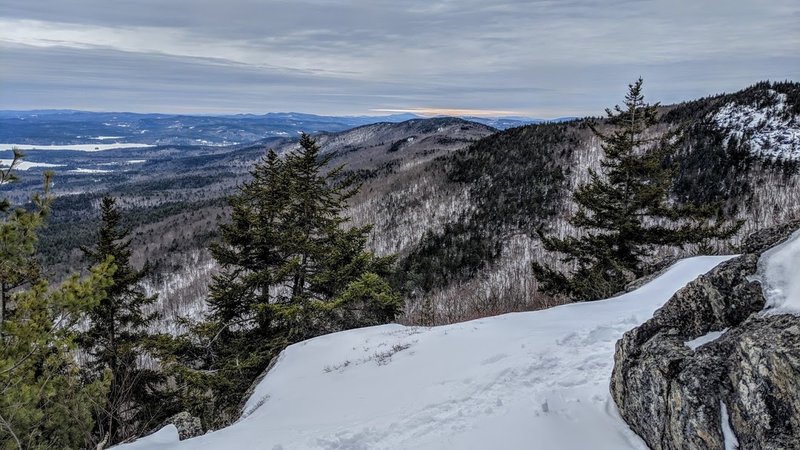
(514, 381)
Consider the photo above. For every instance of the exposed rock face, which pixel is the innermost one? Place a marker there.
(764, 400)
(188, 426)
(672, 395)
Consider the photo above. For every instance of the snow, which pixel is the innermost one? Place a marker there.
(705, 339)
(106, 138)
(75, 147)
(117, 163)
(162, 438)
(779, 274)
(517, 381)
(772, 132)
(728, 437)
(80, 170)
(25, 165)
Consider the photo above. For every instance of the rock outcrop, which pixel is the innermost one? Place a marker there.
(675, 396)
(188, 425)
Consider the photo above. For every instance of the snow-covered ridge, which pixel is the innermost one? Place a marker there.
(772, 131)
(518, 381)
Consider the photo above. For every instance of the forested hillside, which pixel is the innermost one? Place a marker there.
(174, 197)
(458, 202)
(516, 181)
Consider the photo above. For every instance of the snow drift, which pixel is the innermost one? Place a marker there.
(518, 381)
(777, 271)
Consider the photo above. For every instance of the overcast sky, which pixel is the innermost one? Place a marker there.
(536, 58)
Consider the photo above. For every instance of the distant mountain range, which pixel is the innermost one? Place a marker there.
(70, 127)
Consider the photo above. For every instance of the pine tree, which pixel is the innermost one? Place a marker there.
(290, 270)
(45, 403)
(117, 335)
(625, 211)
(18, 263)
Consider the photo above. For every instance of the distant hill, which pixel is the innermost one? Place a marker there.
(69, 127)
(504, 123)
(79, 127)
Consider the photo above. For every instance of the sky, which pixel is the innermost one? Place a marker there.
(541, 58)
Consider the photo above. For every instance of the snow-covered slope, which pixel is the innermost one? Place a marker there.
(777, 271)
(519, 381)
(773, 132)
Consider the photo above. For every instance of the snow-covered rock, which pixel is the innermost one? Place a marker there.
(711, 336)
(518, 381)
(713, 367)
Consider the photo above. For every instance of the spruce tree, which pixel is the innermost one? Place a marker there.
(625, 211)
(290, 269)
(117, 335)
(250, 253)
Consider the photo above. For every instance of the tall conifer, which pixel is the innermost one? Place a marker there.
(625, 211)
(290, 269)
(117, 334)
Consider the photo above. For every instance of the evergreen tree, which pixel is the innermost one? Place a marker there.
(18, 263)
(44, 402)
(117, 336)
(625, 211)
(290, 270)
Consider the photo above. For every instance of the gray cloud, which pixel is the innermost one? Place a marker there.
(542, 58)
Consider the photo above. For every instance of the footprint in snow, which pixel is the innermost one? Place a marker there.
(494, 359)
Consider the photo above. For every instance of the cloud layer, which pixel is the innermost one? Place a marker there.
(541, 58)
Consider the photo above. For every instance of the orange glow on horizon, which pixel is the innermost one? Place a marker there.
(451, 112)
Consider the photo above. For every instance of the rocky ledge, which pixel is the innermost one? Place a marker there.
(710, 370)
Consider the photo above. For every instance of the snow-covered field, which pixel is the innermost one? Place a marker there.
(536, 380)
(82, 170)
(76, 147)
(25, 165)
